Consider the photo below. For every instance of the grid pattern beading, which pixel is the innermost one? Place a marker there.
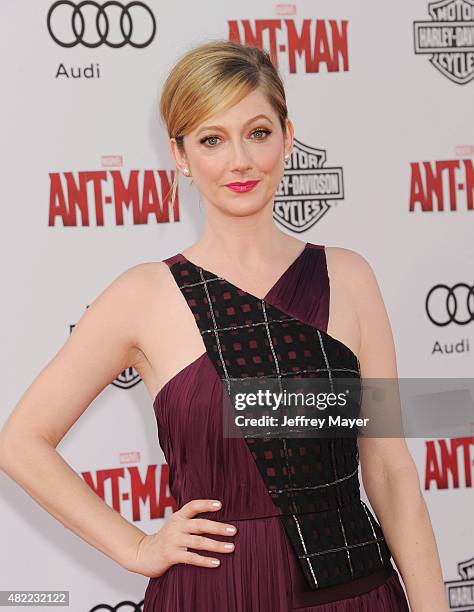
(314, 482)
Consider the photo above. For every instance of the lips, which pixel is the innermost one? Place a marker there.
(242, 187)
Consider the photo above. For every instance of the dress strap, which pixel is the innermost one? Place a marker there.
(305, 293)
(302, 292)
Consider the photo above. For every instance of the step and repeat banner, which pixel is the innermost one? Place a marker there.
(381, 95)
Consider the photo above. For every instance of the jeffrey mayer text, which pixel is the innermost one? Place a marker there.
(300, 421)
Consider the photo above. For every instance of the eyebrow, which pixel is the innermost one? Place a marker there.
(221, 127)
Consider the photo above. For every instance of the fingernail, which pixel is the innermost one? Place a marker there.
(217, 504)
(229, 546)
(215, 561)
(231, 529)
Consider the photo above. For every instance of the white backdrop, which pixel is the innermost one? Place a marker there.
(391, 122)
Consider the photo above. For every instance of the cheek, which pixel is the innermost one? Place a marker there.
(269, 160)
(209, 169)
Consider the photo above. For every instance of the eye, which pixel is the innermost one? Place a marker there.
(212, 137)
(204, 140)
(262, 131)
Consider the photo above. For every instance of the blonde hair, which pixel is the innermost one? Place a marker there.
(211, 78)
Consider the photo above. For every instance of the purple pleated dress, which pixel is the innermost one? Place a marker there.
(263, 573)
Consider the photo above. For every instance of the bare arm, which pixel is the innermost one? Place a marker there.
(389, 473)
(101, 346)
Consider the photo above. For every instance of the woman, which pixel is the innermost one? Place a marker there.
(263, 524)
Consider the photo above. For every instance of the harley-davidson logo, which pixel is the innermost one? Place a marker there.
(461, 592)
(448, 38)
(307, 188)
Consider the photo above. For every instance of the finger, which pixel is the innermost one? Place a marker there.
(191, 558)
(202, 543)
(200, 525)
(195, 506)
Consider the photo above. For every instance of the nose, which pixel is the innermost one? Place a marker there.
(239, 158)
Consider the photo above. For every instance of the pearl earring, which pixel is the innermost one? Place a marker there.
(287, 157)
(186, 172)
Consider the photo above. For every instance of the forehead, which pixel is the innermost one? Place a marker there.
(255, 103)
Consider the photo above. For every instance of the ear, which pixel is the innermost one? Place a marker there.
(179, 159)
(289, 137)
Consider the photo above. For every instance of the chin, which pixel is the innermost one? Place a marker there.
(245, 207)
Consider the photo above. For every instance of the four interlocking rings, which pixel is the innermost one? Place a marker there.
(451, 297)
(101, 23)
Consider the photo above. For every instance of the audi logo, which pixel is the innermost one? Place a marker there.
(91, 24)
(445, 305)
(123, 606)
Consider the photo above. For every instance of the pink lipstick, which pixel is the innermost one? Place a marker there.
(242, 187)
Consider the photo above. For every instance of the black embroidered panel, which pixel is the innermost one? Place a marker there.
(313, 481)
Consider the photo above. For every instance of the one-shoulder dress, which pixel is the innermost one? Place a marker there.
(305, 540)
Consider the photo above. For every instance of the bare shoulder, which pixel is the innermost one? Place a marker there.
(142, 274)
(105, 341)
(139, 284)
(127, 293)
(345, 260)
(143, 294)
(356, 281)
(152, 286)
(354, 271)
(377, 350)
